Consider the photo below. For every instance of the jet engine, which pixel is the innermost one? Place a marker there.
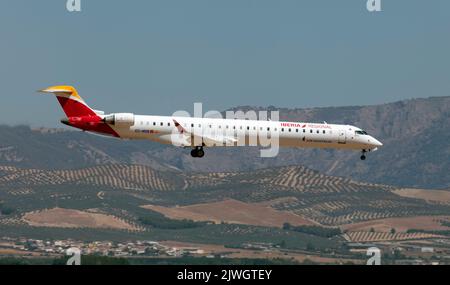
(120, 119)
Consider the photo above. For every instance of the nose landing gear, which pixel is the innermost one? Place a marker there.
(198, 152)
(363, 154)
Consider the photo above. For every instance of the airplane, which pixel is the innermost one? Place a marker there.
(197, 133)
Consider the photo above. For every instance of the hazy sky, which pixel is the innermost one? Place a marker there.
(159, 56)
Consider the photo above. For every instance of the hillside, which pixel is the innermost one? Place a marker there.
(415, 133)
(319, 198)
(122, 201)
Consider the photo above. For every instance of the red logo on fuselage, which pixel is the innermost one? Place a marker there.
(298, 125)
(293, 125)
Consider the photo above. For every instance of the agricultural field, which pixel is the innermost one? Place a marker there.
(232, 211)
(383, 237)
(426, 223)
(130, 202)
(67, 218)
(438, 196)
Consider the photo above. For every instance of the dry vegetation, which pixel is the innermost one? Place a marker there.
(440, 196)
(130, 177)
(67, 218)
(265, 197)
(428, 223)
(374, 236)
(232, 211)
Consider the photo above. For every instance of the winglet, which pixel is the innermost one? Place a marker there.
(72, 104)
(62, 89)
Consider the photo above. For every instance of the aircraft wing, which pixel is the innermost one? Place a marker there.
(218, 140)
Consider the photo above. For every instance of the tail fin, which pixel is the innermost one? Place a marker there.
(72, 104)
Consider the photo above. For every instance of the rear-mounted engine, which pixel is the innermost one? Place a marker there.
(120, 119)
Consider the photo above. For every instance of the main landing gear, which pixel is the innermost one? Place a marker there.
(363, 155)
(198, 152)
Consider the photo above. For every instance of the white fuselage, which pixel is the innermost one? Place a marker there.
(245, 132)
(196, 133)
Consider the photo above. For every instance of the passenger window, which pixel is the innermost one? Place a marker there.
(168, 124)
(289, 130)
(317, 131)
(310, 131)
(323, 131)
(154, 123)
(192, 125)
(282, 129)
(304, 130)
(161, 124)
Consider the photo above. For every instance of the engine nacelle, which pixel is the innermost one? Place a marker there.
(120, 119)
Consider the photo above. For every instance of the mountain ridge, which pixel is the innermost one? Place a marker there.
(415, 133)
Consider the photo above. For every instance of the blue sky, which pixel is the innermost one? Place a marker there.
(159, 56)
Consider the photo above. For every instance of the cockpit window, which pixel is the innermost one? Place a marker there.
(361, 132)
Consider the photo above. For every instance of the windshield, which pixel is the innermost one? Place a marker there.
(362, 132)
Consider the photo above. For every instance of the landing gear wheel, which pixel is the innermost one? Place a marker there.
(363, 155)
(200, 153)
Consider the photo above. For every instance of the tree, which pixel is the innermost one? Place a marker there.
(310, 246)
(6, 210)
(286, 226)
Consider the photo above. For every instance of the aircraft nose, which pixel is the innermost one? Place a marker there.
(376, 142)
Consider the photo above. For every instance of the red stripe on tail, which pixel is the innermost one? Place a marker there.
(73, 108)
